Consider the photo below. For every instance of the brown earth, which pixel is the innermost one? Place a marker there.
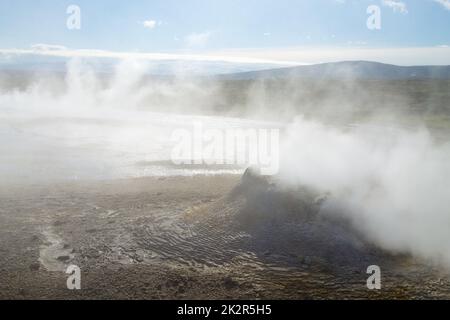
(202, 237)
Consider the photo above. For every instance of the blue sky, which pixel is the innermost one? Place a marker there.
(174, 26)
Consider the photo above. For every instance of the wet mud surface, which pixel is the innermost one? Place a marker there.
(202, 237)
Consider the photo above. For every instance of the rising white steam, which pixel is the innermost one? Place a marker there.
(394, 185)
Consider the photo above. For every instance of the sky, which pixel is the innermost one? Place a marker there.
(244, 31)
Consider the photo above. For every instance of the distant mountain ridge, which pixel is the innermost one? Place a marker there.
(348, 70)
(363, 70)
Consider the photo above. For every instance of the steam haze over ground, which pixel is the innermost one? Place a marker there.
(382, 160)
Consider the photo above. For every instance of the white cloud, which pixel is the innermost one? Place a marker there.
(150, 24)
(445, 3)
(94, 53)
(309, 55)
(47, 47)
(198, 39)
(397, 6)
(291, 56)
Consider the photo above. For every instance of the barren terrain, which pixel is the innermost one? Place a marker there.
(201, 237)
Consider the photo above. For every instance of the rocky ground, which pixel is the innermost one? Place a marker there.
(202, 237)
